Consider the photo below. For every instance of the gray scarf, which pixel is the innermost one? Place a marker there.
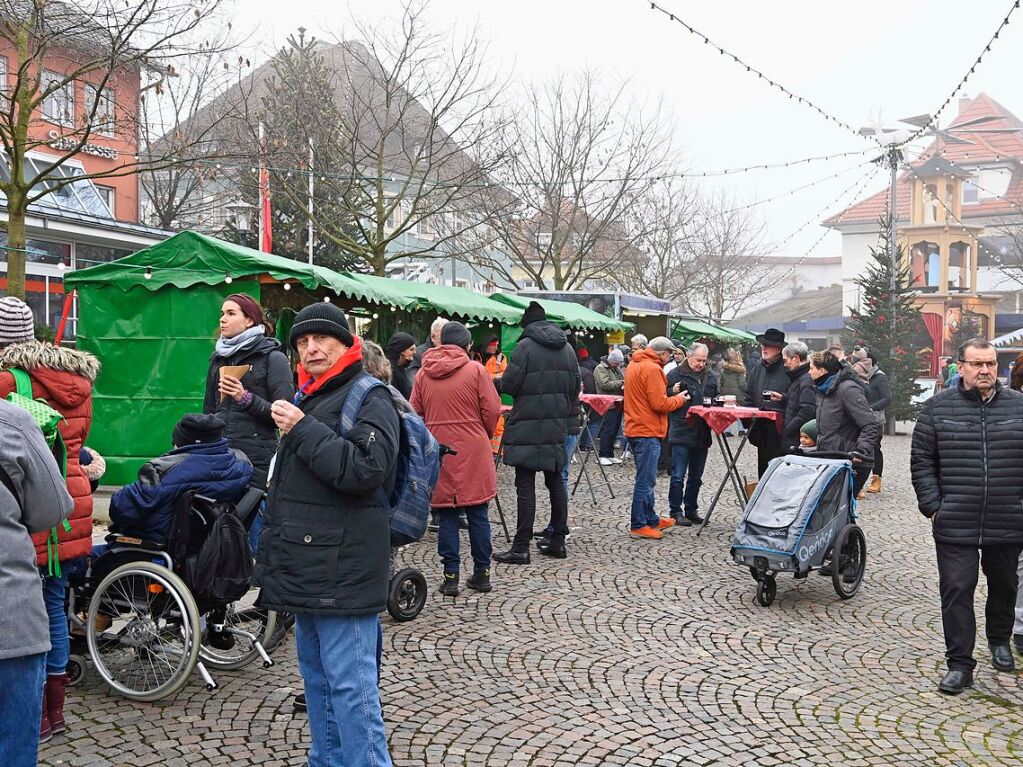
(227, 347)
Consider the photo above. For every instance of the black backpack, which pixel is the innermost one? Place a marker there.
(220, 570)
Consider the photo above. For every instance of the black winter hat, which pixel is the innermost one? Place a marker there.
(323, 318)
(534, 313)
(400, 342)
(195, 428)
(455, 333)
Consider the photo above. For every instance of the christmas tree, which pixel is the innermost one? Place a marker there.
(891, 327)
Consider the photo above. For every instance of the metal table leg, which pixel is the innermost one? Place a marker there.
(497, 500)
(724, 481)
(730, 460)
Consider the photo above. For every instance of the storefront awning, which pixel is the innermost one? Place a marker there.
(566, 313)
(693, 330)
(444, 300)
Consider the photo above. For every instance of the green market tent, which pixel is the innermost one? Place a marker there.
(443, 299)
(692, 330)
(575, 316)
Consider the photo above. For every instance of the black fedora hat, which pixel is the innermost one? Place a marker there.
(771, 337)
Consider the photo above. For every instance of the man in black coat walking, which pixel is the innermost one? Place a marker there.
(966, 473)
(690, 442)
(766, 375)
(543, 377)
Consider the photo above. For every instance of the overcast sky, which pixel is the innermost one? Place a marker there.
(855, 60)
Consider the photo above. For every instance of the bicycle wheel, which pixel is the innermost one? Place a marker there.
(142, 631)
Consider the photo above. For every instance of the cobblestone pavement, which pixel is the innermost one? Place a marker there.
(629, 652)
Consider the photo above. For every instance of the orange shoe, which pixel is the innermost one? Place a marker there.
(665, 522)
(646, 532)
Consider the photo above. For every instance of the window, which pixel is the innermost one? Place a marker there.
(99, 102)
(543, 239)
(970, 193)
(79, 197)
(89, 255)
(107, 194)
(59, 106)
(3, 76)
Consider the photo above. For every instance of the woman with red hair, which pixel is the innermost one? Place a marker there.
(243, 402)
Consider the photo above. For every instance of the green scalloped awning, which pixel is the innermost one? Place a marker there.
(573, 315)
(691, 330)
(190, 258)
(443, 299)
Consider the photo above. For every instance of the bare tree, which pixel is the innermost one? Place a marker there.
(173, 192)
(578, 161)
(411, 145)
(725, 265)
(663, 223)
(94, 47)
(1009, 256)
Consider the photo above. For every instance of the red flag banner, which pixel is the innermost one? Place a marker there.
(265, 213)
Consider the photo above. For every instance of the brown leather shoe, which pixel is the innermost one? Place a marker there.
(875, 485)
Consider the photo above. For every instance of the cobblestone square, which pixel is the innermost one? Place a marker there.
(627, 653)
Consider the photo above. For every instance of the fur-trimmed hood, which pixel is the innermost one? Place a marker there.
(67, 374)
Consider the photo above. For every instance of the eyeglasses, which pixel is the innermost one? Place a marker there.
(982, 364)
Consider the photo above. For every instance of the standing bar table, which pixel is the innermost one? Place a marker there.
(719, 419)
(600, 404)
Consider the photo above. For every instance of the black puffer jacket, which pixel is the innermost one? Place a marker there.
(965, 464)
(543, 377)
(325, 544)
(252, 430)
(879, 392)
(845, 421)
(699, 386)
(761, 378)
(800, 403)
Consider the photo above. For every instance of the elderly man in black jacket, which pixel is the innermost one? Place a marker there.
(965, 464)
(324, 553)
(543, 377)
(766, 375)
(689, 442)
(800, 399)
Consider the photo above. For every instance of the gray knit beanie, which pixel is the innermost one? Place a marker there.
(16, 321)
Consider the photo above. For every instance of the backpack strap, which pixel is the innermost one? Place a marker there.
(353, 402)
(22, 381)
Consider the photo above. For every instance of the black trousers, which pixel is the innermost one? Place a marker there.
(957, 581)
(860, 477)
(878, 457)
(609, 429)
(525, 490)
(767, 453)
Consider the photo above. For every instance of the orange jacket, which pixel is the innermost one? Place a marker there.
(646, 401)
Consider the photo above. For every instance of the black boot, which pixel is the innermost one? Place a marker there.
(955, 681)
(549, 548)
(513, 557)
(681, 520)
(1001, 657)
(694, 518)
(479, 581)
(450, 586)
(299, 702)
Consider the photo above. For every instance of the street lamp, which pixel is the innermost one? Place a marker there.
(242, 212)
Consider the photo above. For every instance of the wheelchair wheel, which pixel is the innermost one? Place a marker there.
(232, 649)
(76, 669)
(143, 631)
(848, 561)
(407, 594)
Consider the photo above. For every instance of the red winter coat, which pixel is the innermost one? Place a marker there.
(458, 401)
(63, 377)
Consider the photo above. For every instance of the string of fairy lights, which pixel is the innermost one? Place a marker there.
(935, 116)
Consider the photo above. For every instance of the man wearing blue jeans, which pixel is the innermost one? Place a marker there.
(33, 499)
(325, 547)
(647, 405)
(690, 440)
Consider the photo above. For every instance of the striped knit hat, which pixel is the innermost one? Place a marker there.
(16, 321)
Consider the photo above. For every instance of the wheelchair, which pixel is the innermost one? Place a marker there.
(143, 632)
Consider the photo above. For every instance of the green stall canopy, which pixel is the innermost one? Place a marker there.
(443, 299)
(189, 258)
(566, 313)
(692, 330)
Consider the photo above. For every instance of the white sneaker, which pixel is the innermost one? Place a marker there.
(609, 461)
(616, 460)
(625, 456)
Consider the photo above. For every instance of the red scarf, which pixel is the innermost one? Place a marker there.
(307, 385)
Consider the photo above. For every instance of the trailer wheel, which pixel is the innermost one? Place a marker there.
(848, 561)
(767, 588)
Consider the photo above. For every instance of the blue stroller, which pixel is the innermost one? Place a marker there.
(802, 517)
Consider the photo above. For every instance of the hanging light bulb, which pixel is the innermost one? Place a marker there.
(376, 316)
(61, 266)
(287, 286)
(149, 273)
(326, 299)
(394, 308)
(229, 279)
